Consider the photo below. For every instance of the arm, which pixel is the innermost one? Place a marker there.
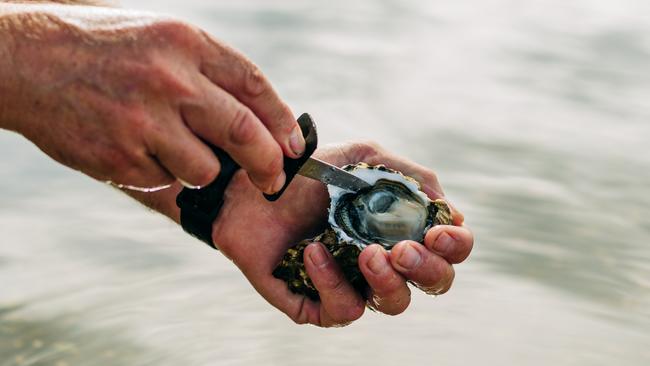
(112, 93)
(129, 96)
(257, 243)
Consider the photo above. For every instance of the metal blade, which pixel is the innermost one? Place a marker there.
(330, 174)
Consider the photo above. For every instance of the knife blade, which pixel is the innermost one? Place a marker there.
(329, 174)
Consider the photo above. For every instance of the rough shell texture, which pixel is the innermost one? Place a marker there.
(292, 267)
(345, 247)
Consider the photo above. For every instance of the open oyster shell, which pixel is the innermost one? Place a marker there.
(391, 210)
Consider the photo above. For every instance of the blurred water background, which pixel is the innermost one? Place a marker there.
(535, 114)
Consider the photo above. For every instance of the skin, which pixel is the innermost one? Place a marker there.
(138, 94)
(257, 243)
(131, 97)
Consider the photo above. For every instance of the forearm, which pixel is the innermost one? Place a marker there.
(7, 73)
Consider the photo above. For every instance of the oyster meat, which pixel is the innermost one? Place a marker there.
(392, 209)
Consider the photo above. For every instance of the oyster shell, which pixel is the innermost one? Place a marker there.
(391, 210)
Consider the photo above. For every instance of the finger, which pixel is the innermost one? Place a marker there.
(185, 156)
(373, 154)
(340, 303)
(427, 270)
(222, 120)
(142, 173)
(457, 217)
(233, 72)
(298, 308)
(450, 242)
(389, 291)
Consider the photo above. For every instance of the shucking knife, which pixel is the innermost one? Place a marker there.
(200, 207)
(315, 168)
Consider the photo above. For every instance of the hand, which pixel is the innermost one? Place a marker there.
(255, 234)
(128, 97)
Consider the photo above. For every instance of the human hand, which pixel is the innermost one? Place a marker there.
(255, 234)
(128, 97)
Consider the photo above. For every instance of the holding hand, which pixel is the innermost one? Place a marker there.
(131, 97)
(255, 234)
(128, 97)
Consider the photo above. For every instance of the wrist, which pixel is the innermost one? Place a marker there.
(238, 189)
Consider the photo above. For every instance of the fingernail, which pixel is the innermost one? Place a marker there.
(318, 256)
(410, 257)
(443, 243)
(377, 263)
(187, 185)
(296, 141)
(279, 182)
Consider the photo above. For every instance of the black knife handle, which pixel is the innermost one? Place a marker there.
(292, 166)
(200, 207)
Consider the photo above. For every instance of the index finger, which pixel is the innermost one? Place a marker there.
(233, 72)
(221, 119)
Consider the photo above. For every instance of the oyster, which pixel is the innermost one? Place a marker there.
(391, 210)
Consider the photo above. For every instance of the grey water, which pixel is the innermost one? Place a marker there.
(534, 114)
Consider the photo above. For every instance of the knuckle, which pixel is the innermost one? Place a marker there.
(335, 284)
(430, 176)
(205, 176)
(383, 285)
(275, 164)
(370, 146)
(243, 128)
(393, 283)
(161, 78)
(366, 150)
(255, 83)
(283, 120)
(144, 126)
(270, 169)
(177, 31)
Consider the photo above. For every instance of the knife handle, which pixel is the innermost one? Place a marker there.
(200, 207)
(292, 166)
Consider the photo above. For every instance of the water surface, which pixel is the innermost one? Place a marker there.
(535, 116)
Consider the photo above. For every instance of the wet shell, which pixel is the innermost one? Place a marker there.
(392, 210)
